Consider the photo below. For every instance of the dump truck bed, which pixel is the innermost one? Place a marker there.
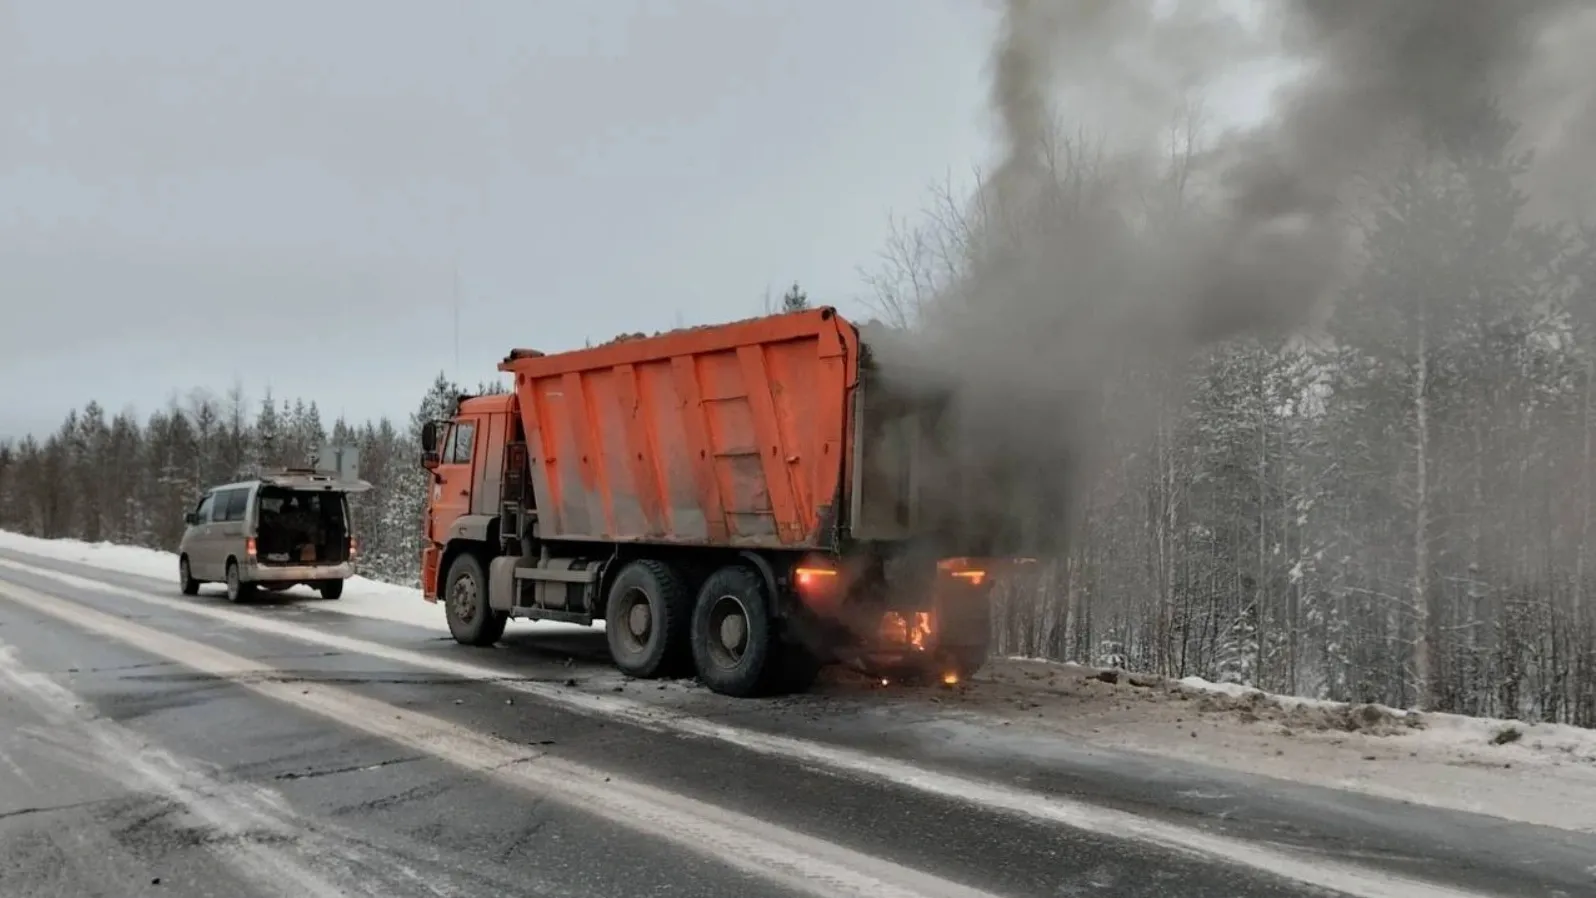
(736, 434)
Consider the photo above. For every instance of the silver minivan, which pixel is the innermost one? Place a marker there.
(275, 532)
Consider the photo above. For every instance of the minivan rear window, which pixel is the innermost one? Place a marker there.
(272, 500)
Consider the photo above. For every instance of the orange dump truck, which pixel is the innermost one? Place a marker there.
(737, 500)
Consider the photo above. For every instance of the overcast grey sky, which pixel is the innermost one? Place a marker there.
(199, 191)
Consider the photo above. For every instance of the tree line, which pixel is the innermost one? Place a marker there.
(1395, 508)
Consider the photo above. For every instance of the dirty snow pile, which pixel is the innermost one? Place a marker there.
(1532, 773)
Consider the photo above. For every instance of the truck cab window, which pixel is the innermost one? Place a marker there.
(461, 437)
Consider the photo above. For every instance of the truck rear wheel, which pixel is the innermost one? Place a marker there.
(798, 671)
(733, 633)
(465, 603)
(646, 620)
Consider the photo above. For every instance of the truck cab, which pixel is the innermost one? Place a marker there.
(465, 457)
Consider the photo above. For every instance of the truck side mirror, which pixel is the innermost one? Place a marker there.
(429, 445)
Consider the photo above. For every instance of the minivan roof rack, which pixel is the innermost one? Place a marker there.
(309, 478)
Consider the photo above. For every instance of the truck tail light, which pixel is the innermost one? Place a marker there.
(963, 569)
(353, 547)
(813, 578)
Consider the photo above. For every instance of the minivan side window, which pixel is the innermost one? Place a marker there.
(461, 439)
(237, 504)
(203, 512)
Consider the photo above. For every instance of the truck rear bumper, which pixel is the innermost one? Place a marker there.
(255, 572)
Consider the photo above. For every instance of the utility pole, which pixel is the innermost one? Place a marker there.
(457, 319)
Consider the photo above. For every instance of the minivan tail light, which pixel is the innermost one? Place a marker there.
(249, 547)
(352, 547)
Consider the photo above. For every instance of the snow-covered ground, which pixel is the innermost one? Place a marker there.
(1541, 773)
(362, 597)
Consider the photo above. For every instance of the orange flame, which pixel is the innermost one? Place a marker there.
(913, 628)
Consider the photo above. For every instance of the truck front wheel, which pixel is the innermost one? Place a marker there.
(471, 620)
(646, 619)
(732, 632)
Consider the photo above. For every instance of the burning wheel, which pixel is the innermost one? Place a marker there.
(465, 603)
(646, 620)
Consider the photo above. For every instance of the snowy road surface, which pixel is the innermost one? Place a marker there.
(153, 744)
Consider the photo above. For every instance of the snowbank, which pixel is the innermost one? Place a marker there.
(362, 597)
(1534, 773)
(1560, 740)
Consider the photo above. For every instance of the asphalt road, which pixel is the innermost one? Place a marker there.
(153, 744)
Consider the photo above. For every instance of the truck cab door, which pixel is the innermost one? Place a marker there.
(452, 478)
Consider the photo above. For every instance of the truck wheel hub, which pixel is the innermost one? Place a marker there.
(729, 624)
(464, 595)
(734, 632)
(640, 620)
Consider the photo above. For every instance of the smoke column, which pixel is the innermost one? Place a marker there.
(1070, 282)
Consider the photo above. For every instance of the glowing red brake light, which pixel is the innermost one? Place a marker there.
(807, 577)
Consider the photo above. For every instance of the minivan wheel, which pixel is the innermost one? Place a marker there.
(465, 603)
(331, 589)
(238, 591)
(185, 578)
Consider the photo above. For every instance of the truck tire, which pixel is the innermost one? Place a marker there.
(968, 661)
(238, 592)
(331, 589)
(734, 649)
(969, 657)
(647, 616)
(465, 604)
(797, 671)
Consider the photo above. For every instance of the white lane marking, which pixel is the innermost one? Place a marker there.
(793, 860)
(1301, 866)
(241, 815)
